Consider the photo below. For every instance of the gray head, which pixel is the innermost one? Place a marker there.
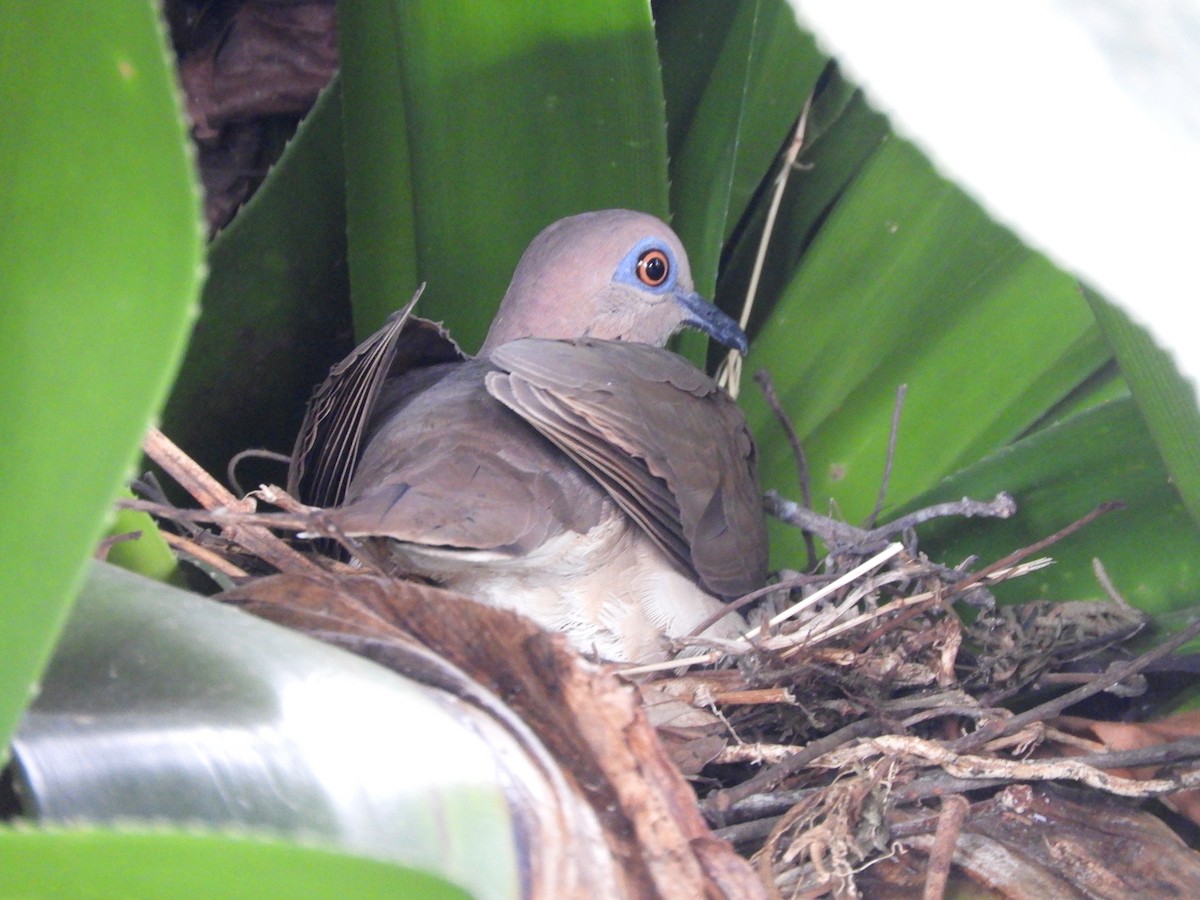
(614, 274)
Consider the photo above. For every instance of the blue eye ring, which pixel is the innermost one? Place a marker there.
(653, 268)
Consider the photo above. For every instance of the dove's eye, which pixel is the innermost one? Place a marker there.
(653, 267)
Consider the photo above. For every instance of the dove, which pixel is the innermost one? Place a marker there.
(574, 470)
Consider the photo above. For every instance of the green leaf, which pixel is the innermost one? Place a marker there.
(1166, 400)
(151, 864)
(1058, 475)
(274, 314)
(752, 95)
(100, 263)
(909, 282)
(379, 187)
(148, 553)
(510, 119)
(841, 134)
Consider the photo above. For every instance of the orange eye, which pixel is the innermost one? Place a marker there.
(653, 267)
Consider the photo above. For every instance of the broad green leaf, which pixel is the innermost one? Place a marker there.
(909, 282)
(148, 553)
(100, 264)
(381, 217)
(274, 313)
(841, 134)
(511, 118)
(1076, 124)
(1166, 400)
(752, 96)
(93, 863)
(1058, 475)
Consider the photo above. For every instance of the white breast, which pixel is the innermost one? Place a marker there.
(611, 591)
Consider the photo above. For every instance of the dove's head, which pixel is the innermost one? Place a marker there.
(613, 274)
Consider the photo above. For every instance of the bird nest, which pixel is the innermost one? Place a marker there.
(883, 729)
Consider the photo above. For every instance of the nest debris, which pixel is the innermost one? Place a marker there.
(856, 742)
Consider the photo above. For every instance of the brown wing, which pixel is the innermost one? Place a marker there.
(329, 442)
(448, 466)
(667, 444)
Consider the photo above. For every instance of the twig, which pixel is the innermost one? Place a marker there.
(106, 544)
(1182, 750)
(746, 599)
(767, 385)
(832, 531)
(890, 457)
(745, 644)
(1107, 585)
(858, 571)
(1002, 506)
(945, 840)
(718, 801)
(750, 830)
(222, 516)
(185, 545)
(937, 784)
(729, 373)
(1037, 546)
(1061, 769)
(257, 453)
(755, 754)
(210, 494)
(1051, 708)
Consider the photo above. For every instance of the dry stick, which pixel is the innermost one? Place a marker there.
(210, 494)
(743, 645)
(221, 516)
(1036, 547)
(1057, 769)
(729, 373)
(1107, 585)
(858, 571)
(767, 385)
(206, 556)
(718, 801)
(1115, 675)
(945, 839)
(1182, 750)
(890, 458)
(1002, 506)
(318, 524)
(786, 584)
(231, 467)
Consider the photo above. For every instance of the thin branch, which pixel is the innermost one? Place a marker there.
(1037, 546)
(1114, 675)
(730, 371)
(945, 841)
(212, 495)
(257, 453)
(767, 385)
(890, 458)
(718, 801)
(833, 531)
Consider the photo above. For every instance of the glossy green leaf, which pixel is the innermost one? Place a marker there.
(753, 92)
(274, 313)
(841, 134)
(1058, 475)
(511, 118)
(159, 864)
(138, 546)
(1166, 400)
(100, 264)
(909, 282)
(382, 228)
